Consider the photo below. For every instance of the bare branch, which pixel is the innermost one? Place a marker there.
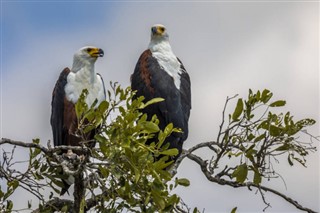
(23, 144)
(203, 166)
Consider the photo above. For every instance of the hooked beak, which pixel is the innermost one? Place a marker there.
(96, 52)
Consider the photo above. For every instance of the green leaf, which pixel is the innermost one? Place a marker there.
(250, 137)
(34, 153)
(104, 105)
(14, 184)
(150, 127)
(234, 210)
(238, 110)
(104, 171)
(302, 162)
(284, 147)
(152, 101)
(279, 103)
(94, 103)
(241, 173)
(158, 199)
(81, 106)
(167, 131)
(162, 163)
(88, 128)
(64, 208)
(195, 210)
(258, 95)
(36, 140)
(260, 137)
(263, 125)
(257, 177)
(305, 122)
(170, 152)
(183, 182)
(137, 175)
(162, 135)
(250, 153)
(266, 95)
(275, 131)
(161, 138)
(9, 205)
(173, 199)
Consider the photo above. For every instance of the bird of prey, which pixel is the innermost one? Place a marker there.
(66, 93)
(159, 73)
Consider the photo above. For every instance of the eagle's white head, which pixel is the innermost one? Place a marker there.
(162, 52)
(159, 39)
(86, 56)
(159, 32)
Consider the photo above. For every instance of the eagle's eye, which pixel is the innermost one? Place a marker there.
(89, 50)
(162, 29)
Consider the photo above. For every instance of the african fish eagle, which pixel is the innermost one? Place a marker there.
(66, 93)
(159, 73)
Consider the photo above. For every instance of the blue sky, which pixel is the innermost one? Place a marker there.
(23, 21)
(227, 48)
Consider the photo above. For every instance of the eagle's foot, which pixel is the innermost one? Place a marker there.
(82, 158)
(70, 155)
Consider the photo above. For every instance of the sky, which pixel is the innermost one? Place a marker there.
(227, 47)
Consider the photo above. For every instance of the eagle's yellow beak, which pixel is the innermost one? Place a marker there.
(96, 52)
(157, 30)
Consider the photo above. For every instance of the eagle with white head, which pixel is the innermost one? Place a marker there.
(66, 93)
(159, 73)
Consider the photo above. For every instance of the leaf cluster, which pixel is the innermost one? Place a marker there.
(122, 173)
(132, 178)
(257, 135)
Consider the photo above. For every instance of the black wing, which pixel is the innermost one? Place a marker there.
(185, 92)
(57, 109)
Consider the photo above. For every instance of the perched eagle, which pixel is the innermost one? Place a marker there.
(159, 73)
(66, 92)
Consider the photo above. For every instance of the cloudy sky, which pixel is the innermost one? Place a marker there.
(226, 46)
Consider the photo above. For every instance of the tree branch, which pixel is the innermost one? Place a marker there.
(203, 166)
(56, 204)
(23, 144)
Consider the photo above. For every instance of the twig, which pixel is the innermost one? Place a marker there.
(57, 204)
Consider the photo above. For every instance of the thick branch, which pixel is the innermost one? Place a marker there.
(47, 151)
(23, 144)
(209, 144)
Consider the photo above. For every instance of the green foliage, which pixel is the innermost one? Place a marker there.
(6, 204)
(257, 135)
(128, 176)
(133, 178)
(122, 173)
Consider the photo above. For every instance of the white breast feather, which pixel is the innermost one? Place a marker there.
(76, 83)
(168, 61)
